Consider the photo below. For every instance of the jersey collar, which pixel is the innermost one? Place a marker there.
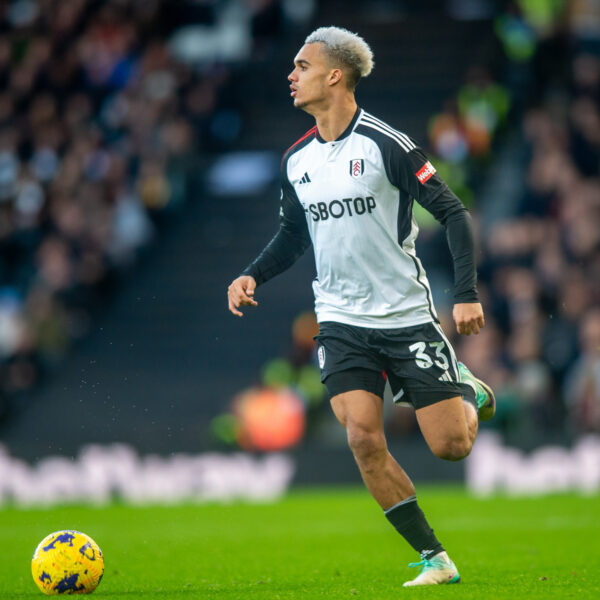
(346, 131)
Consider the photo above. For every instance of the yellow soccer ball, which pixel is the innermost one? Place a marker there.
(67, 562)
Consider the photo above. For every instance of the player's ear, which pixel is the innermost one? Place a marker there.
(335, 75)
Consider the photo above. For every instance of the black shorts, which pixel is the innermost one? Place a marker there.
(418, 361)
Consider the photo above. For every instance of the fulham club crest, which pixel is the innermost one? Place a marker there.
(321, 355)
(357, 167)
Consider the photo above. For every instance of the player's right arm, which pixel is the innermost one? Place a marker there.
(287, 246)
(241, 293)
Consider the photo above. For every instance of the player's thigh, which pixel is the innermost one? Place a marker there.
(357, 398)
(420, 365)
(444, 425)
(359, 410)
(361, 413)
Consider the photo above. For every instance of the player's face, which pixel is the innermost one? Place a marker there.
(308, 80)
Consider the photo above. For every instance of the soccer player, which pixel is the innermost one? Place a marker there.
(347, 187)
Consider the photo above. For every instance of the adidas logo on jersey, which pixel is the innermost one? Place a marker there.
(305, 179)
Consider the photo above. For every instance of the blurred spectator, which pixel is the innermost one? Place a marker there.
(268, 419)
(468, 124)
(483, 106)
(288, 401)
(582, 386)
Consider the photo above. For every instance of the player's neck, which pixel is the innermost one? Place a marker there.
(333, 120)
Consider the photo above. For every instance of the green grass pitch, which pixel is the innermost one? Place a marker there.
(331, 543)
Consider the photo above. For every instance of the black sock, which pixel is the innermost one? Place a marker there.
(410, 522)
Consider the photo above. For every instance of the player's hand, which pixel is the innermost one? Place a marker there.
(468, 317)
(241, 293)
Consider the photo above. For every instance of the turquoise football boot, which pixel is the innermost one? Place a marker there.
(486, 401)
(435, 571)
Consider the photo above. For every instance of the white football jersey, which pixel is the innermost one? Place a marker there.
(352, 198)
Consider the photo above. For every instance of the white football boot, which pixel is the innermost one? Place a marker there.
(434, 571)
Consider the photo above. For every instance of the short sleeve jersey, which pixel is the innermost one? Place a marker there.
(353, 197)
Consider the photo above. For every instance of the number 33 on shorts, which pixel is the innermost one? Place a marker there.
(424, 360)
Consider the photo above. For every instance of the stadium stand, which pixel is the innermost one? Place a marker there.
(105, 115)
(107, 132)
(540, 262)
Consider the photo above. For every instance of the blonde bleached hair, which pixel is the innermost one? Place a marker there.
(344, 48)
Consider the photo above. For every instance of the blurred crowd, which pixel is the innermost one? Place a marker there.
(106, 110)
(539, 265)
(90, 131)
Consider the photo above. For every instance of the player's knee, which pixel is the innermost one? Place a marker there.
(452, 448)
(366, 445)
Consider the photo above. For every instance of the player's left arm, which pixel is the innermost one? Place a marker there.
(421, 181)
(468, 317)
